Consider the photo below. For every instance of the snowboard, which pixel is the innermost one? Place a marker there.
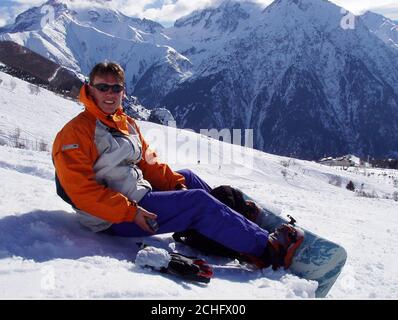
(317, 258)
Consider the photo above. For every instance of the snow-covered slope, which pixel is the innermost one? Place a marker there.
(31, 114)
(45, 253)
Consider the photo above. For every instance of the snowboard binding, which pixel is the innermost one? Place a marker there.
(292, 220)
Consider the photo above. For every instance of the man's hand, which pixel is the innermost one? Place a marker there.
(140, 219)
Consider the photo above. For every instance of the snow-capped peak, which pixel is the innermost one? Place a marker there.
(386, 29)
(34, 18)
(105, 16)
(224, 18)
(306, 12)
(95, 13)
(375, 20)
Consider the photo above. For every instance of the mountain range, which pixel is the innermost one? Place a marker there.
(308, 84)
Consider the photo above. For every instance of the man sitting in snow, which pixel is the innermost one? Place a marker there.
(107, 172)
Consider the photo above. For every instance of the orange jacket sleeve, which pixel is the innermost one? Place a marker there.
(74, 154)
(159, 175)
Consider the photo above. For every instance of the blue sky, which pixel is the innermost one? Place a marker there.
(167, 11)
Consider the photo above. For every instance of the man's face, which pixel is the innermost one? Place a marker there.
(107, 101)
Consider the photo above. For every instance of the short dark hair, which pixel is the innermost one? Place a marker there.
(107, 67)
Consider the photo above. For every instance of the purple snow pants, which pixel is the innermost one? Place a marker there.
(196, 209)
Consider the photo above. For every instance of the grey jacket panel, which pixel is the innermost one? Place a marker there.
(92, 222)
(116, 168)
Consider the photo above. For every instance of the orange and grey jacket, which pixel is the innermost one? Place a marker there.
(104, 166)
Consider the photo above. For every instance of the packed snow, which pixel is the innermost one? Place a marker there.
(154, 257)
(45, 253)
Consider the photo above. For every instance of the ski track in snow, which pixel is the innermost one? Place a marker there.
(45, 253)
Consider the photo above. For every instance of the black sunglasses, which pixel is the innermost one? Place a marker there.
(103, 87)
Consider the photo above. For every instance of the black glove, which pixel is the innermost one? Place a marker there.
(189, 268)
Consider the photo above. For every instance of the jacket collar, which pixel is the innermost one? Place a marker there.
(117, 120)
